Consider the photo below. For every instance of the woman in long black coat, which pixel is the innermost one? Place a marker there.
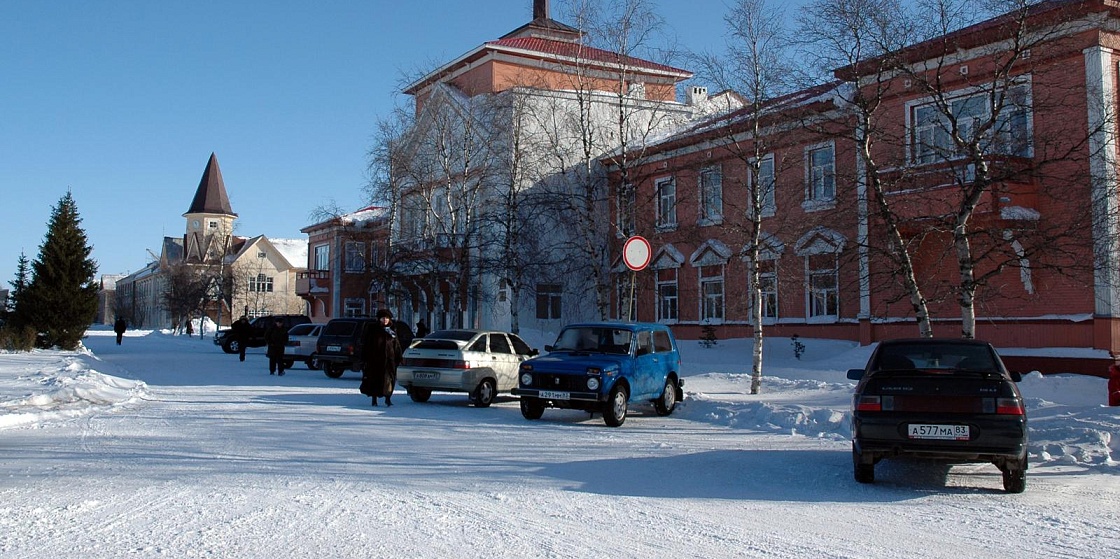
(381, 353)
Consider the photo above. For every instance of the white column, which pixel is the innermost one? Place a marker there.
(1100, 89)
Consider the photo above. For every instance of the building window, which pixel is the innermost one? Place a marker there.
(667, 295)
(666, 203)
(930, 129)
(821, 161)
(823, 279)
(548, 301)
(711, 196)
(768, 282)
(766, 185)
(260, 284)
(625, 211)
(354, 260)
(354, 307)
(323, 257)
(711, 293)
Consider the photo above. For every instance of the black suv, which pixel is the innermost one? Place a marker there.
(944, 399)
(257, 328)
(340, 343)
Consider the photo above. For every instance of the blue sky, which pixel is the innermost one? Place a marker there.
(123, 101)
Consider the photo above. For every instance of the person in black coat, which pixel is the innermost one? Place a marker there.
(119, 327)
(276, 338)
(421, 329)
(381, 354)
(239, 332)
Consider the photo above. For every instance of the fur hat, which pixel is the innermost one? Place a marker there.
(384, 313)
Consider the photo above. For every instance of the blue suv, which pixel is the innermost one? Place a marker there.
(603, 367)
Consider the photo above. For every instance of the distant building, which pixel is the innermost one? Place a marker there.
(106, 299)
(346, 267)
(259, 273)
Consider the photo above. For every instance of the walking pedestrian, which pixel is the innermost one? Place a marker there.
(239, 332)
(119, 327)
(276, 338)
(381, 354)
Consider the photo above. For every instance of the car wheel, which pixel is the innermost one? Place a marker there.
(531, 408)
(288, 363)
(420, 395)
(332, 371)
(614, 414)
(1015, 477)
(864, 473)
(484, 395)
(668, 400)
(232, 346)
(313, 363)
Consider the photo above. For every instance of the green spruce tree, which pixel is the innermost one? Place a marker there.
(19, 285)
(61, 299)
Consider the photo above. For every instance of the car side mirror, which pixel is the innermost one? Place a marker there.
(533, 351)
(1015, 376)
(855, 374)
(548, 348)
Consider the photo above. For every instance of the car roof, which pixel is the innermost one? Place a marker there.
(619, 325)
(932, 341)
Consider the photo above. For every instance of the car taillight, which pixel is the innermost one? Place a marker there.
(1009, 406)
(460, 364)
(869, 403)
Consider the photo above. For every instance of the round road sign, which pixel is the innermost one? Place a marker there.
(636, 253)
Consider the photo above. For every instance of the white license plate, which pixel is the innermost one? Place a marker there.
(550, 395)
(940, 432)
(425, 376)
(334, 348)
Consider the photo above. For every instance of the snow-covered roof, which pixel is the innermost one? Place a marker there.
(294, 250)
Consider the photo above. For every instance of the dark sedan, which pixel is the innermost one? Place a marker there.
(943, 399)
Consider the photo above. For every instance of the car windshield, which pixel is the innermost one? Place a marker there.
(937, 356)
(594, 339)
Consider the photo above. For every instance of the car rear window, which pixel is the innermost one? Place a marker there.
(426, 343)
(340, 328)
(301, 330)
(947, 356)
(460, 335)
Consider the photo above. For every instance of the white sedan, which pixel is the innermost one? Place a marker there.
(482, 363)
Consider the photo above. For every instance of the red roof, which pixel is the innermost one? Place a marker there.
(578, 51)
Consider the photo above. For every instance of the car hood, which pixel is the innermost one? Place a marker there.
(576, 362)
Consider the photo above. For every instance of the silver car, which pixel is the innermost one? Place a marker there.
(482, 363)
(302, 339)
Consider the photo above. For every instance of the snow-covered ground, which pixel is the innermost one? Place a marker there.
(167, 447)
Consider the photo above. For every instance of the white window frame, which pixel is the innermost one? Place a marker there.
(933, 130)
(667, 306)
(354, 259)
(260, 284)
(550, 298)
(354, 307)
(323, 257)
(666, 189)
(768, 281)
(710, 189)
(712, 304)
(822, 300)
(767, 181)
(820, 179)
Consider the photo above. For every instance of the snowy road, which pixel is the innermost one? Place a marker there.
(218, 459)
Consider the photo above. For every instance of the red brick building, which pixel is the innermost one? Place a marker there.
(1043, 224)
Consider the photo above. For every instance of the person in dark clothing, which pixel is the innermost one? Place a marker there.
(381, 354)
(276, 338)
(422, 329)
(119, 327)
(404, 333)
(239, 332)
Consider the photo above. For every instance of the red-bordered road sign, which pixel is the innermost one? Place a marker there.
(636, 253)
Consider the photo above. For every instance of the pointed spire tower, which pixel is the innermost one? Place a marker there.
(210, 217)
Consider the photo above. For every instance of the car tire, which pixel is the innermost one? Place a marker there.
(313, 363)
(667, 402)
(288, 363)
(614, 413)
(864, 473)
(1015, 477)
(484, 394)
(419, 395)
(531, 408)
(232, 346)
(332, 371)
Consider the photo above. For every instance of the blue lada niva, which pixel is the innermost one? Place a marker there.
(603, 367)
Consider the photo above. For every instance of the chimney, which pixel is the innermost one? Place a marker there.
(697, 95)
(540, 9)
